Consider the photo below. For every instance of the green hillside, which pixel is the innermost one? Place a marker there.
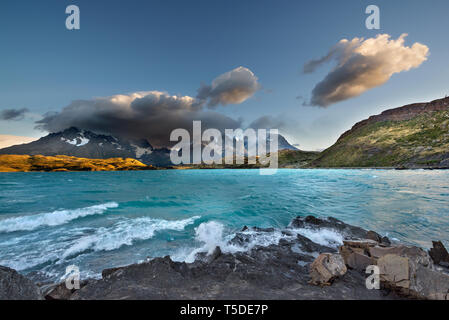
(413, 136)
(296, 158)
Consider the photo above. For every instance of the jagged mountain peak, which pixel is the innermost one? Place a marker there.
(87, 144)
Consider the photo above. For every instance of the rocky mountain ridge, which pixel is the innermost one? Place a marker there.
(86, 144)
(403, 113)
(412, 136)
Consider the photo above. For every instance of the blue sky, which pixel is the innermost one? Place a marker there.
(174, 46)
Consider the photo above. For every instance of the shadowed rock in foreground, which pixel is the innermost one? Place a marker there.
(295, 267)
(278, 271)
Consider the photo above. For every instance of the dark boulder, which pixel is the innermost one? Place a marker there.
(350, 232)
(439, 253)
(60, 291)
(372, 235)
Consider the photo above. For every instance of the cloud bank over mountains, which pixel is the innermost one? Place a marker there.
(363, 64)
(155, 114)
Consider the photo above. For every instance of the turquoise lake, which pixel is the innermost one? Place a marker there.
(96, 220)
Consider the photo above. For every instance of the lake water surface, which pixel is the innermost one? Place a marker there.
(97, 220)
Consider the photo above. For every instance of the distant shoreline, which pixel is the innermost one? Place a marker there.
(62, 163)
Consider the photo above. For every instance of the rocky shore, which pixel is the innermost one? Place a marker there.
(295, 268)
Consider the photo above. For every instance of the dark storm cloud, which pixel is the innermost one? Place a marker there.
(13, 114)
(152, 115)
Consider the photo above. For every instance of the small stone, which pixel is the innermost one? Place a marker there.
(385, 241)
(326, 268)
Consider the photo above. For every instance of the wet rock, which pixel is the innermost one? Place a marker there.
(107, 272)
(278, 271)
(309, 246)
(361, 244)
(14, 286)
(257, 229)
(326, 268)
(385, 241)
(372, 235)
(439, 253)
(351, 232)
(214, 255)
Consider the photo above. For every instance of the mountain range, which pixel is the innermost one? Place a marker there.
(412, 136)
(87, 144)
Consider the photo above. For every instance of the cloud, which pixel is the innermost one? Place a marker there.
(363, 64)
(152, 115)
(232, 87)
(155, 114)
(268, 122)
(13, 114)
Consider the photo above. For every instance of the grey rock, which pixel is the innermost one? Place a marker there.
(14, 286)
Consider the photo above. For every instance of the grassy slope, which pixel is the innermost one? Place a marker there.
(286, 159)
(296, 158)
(14, 163)
(420, 142)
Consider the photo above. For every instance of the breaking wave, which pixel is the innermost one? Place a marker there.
(210, 235)
(55, 218)
(124, 233)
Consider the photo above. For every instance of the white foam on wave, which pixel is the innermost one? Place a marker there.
(210, 234)
(324, 236)
(55, 218)
(125, 233)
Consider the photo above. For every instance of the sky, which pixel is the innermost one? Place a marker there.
(145, 67)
